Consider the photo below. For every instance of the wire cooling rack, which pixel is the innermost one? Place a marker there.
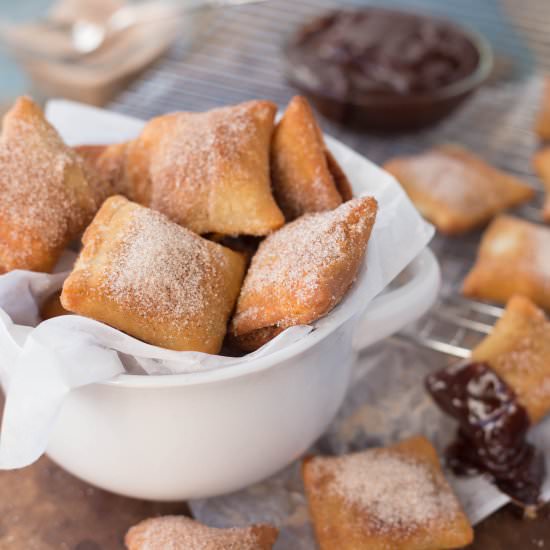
(237, 56)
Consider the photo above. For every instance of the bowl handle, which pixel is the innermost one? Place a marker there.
(400, 305)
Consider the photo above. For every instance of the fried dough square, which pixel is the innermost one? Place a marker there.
(456, 190)
(541, 163)
(518, 350)
(183, 533)
(208, 171)
(542, 123)
(302, 271)
(153, 279)
(306, 177)
(46, 199)
(394, 497)
(512, 259)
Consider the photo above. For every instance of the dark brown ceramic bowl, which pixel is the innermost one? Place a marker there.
(393, 113)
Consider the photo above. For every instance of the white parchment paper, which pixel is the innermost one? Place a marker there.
(40, 362)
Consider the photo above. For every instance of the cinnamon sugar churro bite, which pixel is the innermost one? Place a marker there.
(512, 259)
(456, 190)
(302, 271)
(153, 279)
(180, 532)
(306, 177)
(46, 197)
(394, 497)
(207, 171)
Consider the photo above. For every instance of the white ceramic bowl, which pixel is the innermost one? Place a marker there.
(204, 434)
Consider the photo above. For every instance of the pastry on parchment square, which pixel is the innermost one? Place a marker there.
(46, 200)
(518, 350)
(456, 190)
(183, 533)
(153, 279)
(541, 163)
(306, 177)
(393, 497)
(208, 171)
(513, 258)
(542, 123)
(302, 271)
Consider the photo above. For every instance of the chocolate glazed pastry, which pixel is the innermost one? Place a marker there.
(492, 434)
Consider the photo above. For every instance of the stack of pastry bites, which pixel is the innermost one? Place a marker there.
(152, 264)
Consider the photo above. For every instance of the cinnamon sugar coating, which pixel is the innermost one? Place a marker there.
(302, 271)
(208, 171)
(183, 533)
(518, 350)
(393, 498)
(306, 178)
(46, 196)
(153, 279)
(512, 259)
(456, 190)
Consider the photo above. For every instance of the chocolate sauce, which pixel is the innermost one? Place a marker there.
(491, 438)
(351, 53)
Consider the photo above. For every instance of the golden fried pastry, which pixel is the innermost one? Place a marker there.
(518, 350)
(302, 271)
(512, 259)
(52, 307)
(208, 171)
(183, 533)
(542, 124)
(306, 178)
(456, 190)
(386, 498)
(46, 199)
(541, 163)
(153, 279)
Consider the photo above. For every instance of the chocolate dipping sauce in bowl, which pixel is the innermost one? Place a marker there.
(384, 69)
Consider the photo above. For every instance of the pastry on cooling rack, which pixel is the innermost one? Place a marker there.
(394, 497)
(542, 124)
(208, 171)
(456, 190)
(153, 279)
(301, 271)
(180, 532)
(513, 258)
(46, 199)
(306, 178)
(518, 350)
(541, 163)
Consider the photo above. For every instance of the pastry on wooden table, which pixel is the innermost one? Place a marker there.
(208, 171)
(153, 279)
(306, 177)
(183, 533)
(542, 123)
(384, 498)
(302, 271)
(513, 258)
(541, 163)
(456, 190)
(46, 198)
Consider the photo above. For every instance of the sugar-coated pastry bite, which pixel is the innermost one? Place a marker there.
(302, 271)
(542, 124)
(305, 178)
(384, 498)
(541, 163)
(456, 190)
(518, 350)
(153, 279)
(208, 171)
(52, 307)
(512, 259)
(46, 198)
(183, 533)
